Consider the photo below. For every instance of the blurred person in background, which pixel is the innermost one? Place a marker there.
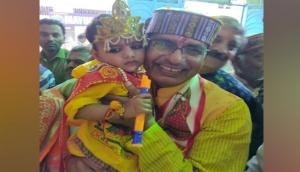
(47, 79)
(82, 41)
(78, 55)
(256, 163)
(248, 64)
(52, 56)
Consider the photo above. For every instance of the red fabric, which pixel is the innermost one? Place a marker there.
(53, 145)
(198, 118)
(175, 121)
(105, 74)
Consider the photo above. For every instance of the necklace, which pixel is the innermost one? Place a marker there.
(124, 76)
(128, 84)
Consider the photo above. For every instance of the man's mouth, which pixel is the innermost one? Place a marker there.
(51, 44)
(169, 69)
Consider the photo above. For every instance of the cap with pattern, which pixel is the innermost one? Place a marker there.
(184, 23)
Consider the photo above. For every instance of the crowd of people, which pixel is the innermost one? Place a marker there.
(198, 117)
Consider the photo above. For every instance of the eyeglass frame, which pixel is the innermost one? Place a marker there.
(204, 49)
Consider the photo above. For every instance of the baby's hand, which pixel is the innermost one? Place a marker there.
(141, 103)
(110, 97)
(132, 90)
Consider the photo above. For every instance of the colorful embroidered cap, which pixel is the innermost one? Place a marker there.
(184, 23)
(120, 25)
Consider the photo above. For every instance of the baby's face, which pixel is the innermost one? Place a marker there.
(127, 54)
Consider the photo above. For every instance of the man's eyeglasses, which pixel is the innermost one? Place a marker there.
(168, 47)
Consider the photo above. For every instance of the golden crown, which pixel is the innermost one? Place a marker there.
(120, 25)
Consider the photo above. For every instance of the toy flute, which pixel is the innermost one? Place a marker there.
(140, 119)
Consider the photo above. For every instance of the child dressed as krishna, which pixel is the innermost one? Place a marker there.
(118, 52)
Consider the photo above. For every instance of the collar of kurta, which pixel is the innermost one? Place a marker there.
(164, 94)
(180, 114)
(61, 54)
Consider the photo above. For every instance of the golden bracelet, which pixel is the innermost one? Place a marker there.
(117, 107)
(108, 114)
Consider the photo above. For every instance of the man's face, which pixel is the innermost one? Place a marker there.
(223, 48)
(250, 65)
(171, 60)
(75, 59)
(51, 38)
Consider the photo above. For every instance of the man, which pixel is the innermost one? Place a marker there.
(52, 56)
(198, 126)
(248, 64)
(78, 55)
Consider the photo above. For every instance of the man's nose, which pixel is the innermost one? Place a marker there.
(50, 37)
(176, 56)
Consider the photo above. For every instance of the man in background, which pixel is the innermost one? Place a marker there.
(52, 56)
(81, 40)
(248, 64)
(78, 55)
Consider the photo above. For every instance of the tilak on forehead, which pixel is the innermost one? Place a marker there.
(181, 40)
(120, 26)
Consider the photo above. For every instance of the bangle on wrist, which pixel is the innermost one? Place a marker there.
(108, 114)
(117, 107)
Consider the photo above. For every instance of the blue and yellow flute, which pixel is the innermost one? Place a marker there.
(140, 119)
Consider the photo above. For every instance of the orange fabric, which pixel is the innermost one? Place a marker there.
(52, 131)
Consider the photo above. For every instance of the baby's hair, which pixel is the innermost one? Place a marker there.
(91, 29)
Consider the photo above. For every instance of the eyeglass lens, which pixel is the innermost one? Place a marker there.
(169, 47)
